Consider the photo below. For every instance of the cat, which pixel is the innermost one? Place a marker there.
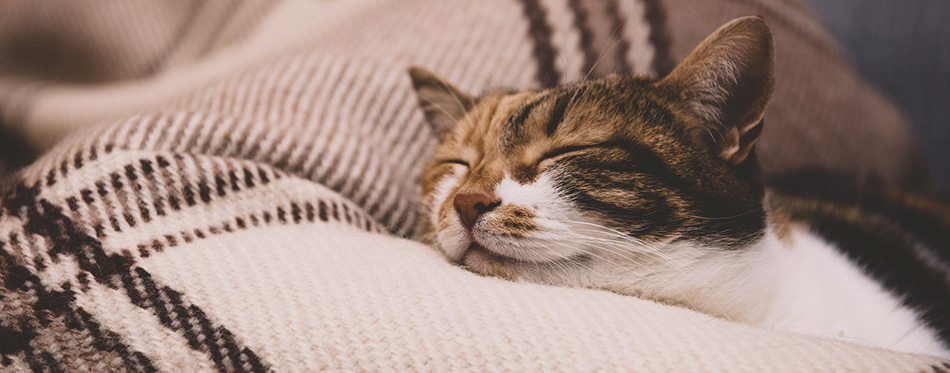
(650, 187)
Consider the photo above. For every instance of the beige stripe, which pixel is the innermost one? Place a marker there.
(566, 40)
(636, 30)
(262, 197)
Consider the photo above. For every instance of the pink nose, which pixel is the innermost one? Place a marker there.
(471, 203)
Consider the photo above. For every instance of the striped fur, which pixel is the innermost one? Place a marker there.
(651, 187)
(655, 159)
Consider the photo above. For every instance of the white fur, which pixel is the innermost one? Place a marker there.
(806, 287)
(801, 284)
(453, 239)
(554, 215)
(819, 291)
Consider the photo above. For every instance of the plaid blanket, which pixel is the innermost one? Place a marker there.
(232, 186)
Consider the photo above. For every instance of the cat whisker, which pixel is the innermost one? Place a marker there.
(625, 238)
(561, 58)
(444, 110)
(616, 246)
(617, 253)
(607, 48)
(446, 85)
(555, 263)
(688, 300)
(684, 269)
(724, 217)
(565, 265)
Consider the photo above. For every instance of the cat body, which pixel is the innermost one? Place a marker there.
(650, 187)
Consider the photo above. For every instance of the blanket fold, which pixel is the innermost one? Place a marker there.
(234, 186)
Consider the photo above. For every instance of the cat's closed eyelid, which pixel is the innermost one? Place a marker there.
(455, 161)
(570, 150)
(564, 151)
(567, 151)
(560, 153)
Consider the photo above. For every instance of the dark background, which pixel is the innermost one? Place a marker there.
(903, 47)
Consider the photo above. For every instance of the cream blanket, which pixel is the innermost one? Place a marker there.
(236, 186)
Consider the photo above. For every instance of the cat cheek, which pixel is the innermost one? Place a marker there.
(446, 217)
(451, 237)
(440, 196)
(454, 240)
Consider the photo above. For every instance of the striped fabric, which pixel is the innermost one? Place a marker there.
(234, 187)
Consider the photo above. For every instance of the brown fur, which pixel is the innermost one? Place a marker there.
(512, 221)
(657, 164)
(658, 159)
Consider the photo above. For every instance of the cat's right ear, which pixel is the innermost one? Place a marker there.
(443, 103)
(727, 81)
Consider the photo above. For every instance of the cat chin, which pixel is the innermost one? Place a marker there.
(527, 249)
(481, 260)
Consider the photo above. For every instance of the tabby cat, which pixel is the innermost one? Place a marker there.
(650, 187)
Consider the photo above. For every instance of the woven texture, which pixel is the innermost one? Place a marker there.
(236, 189)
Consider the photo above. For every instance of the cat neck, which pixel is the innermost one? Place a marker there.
(794, 280)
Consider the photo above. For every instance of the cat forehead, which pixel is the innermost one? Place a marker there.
(525, 124)
(492, 110)
(582, 112)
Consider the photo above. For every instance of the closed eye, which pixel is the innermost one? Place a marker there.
(456, 161)
(573, 150)
(556, 153)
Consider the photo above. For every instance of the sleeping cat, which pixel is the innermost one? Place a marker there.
(650, 187)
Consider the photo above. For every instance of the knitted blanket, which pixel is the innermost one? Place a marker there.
(233, 186)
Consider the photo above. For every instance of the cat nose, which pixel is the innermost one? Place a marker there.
(472, 203)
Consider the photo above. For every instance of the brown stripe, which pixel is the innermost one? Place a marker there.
(581, 18)
(107, 340)
(544, 52)
(25, 337)
(623, 45)
(190, 321)
(328, 210)
(49, 221)
(560, 105)
(659, 37)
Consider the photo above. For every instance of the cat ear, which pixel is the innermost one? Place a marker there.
(727, 81)
(444, 104)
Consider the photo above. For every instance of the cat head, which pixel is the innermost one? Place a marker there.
(541, 183)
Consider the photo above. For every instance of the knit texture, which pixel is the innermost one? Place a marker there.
(235, 188)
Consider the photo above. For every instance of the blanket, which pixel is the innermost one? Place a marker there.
(233, 186)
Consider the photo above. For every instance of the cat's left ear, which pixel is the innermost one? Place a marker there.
(727, 81)
(443, 103)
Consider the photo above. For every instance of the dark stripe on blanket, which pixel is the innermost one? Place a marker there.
(55, 311)
(659, 37)
(65, 238)
(581, 19)
(544, 52)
